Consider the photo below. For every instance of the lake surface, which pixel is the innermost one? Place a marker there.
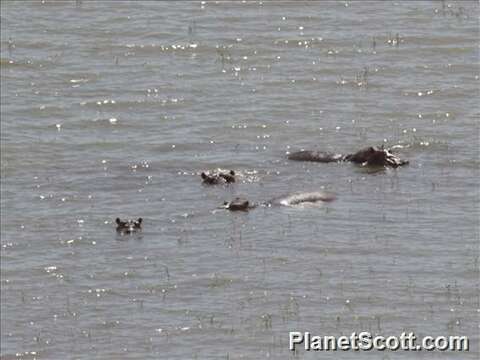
(112, 109)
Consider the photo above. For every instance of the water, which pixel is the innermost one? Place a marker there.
(113, 109)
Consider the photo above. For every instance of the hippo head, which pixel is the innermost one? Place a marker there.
(237, 204)
(128, 226)
(218, 177)
(229, 177)
(375, 156)
(209, 179)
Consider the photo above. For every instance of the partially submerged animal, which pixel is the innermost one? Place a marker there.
(238, 204)
(128, 226)
(298, 199)
(219, 177)
(371, 156)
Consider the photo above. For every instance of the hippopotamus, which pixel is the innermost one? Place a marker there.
(371, 156)
(128, 226)
(220, 177)
(240, 204)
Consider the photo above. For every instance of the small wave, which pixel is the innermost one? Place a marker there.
(132, 49)
(299, 42)
(305, 199)
(177, 47)
(27, 63)
(151, 100)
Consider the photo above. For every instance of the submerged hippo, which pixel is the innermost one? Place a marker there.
(371, 156)
(129, 226)
(220, 177)
(240, 204)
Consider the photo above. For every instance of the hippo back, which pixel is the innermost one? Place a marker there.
(316, 156)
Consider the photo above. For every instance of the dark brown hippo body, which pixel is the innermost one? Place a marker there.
(316, 156)
(128, 226)
(371, 156)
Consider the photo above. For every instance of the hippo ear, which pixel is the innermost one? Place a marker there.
(232, 172)
(139, 221)
(203, 175)
(118, 221)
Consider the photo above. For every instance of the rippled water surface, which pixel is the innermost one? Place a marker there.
(114, 108)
